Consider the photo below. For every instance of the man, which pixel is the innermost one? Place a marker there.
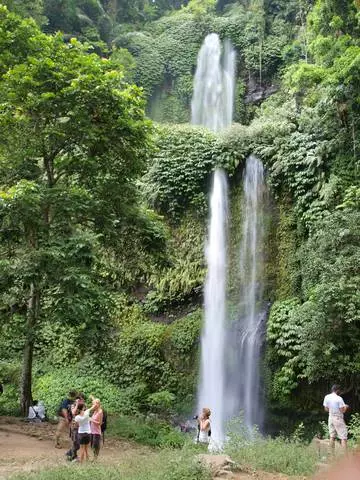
(336, 407)
(65, 417)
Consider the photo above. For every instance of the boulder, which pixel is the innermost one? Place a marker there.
(220, 465)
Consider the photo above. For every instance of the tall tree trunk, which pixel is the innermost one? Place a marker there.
(26, 374)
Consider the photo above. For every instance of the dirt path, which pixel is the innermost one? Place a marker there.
(30, 447)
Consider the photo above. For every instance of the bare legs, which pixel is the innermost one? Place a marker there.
(332, 445)
(84, 453)
(63, 426)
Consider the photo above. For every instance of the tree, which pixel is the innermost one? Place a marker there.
(27, 8)
(73, 139)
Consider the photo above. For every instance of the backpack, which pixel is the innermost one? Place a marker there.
(60, 409)
(104, 424)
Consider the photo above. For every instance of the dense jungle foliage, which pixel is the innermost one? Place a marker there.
(103, 212)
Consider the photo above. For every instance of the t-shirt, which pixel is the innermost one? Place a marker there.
(334, 402)
(65, 405)
(84, 422)
(96, 428)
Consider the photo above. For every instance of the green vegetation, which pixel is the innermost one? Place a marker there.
(103, 214)
(291, 457)
(180, 465)
(148, 431)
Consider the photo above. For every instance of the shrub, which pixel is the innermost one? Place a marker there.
(282, 455)
(52, 387)
(161, 402)
(9, 401)
(146, 430)
(9, 378)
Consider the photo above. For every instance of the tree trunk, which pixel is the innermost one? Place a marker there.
(26, 374)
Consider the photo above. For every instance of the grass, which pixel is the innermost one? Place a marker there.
(152, 432)
(279, 455)
(168, 464)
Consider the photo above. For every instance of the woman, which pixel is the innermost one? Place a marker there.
(83, 421)
(204, 426)
(95, 425)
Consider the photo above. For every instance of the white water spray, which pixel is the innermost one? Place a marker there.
(212, 107)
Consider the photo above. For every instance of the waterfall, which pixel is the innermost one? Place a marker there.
(245, 336)
(212, 107)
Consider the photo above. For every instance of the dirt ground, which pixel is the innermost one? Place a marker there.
(28, 447)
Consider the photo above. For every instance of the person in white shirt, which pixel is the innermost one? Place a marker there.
(36, 412)
(336, 407)
(83, 420)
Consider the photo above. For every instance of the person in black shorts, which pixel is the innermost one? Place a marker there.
(83, 420)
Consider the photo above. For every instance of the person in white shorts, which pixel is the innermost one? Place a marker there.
(336, 407)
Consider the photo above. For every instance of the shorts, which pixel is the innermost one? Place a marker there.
(84, 438)
(337, 427)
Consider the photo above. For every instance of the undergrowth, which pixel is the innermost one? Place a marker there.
(290, 456)
(169, 465)
(148, 431)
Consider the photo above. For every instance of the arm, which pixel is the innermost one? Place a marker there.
(342, 407)
(74, 408)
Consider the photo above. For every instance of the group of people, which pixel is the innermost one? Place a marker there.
(84, 424)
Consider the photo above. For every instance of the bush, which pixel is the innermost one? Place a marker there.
(148, 431)
(9, 401)
(9, 378)
(280, 454)
(161, 402)
(53, 387)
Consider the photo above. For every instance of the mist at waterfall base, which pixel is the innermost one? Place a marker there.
(230, 349)
(212, 107)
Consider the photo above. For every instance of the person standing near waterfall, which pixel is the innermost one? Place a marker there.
(204, 426)
(335, 405)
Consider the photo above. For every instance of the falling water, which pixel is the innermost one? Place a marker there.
(245, 335)
(212, 107)
(213, 97)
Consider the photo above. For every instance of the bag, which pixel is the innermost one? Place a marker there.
(69, 412)
(104, 425)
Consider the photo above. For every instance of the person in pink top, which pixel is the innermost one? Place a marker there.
(95, 426)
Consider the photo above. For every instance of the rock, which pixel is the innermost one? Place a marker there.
(219, 465)
(225, 474)
(259, 93)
